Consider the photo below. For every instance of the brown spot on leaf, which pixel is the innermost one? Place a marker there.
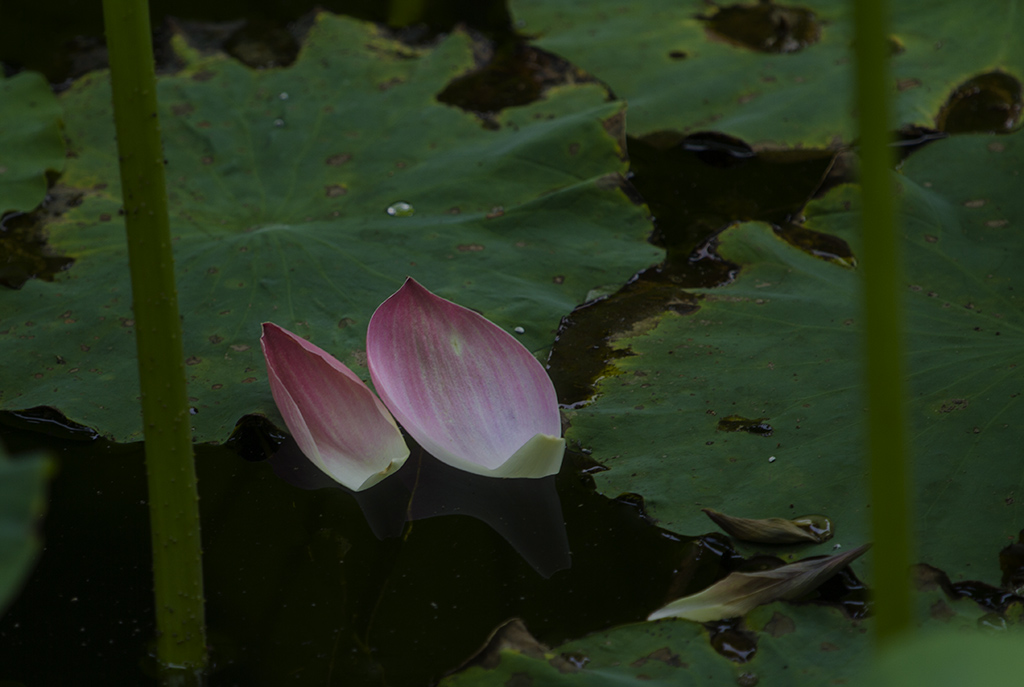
(335, 190)
(664, 655)
(338, 159)
(239, 347)
(216, 339)
(779, 625)
(470, 247)
(193, 360)
(941, 611)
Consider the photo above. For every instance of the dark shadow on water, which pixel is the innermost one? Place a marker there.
(525, 512)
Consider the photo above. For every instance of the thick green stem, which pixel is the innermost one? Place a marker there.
(883, 320)
(173, 499)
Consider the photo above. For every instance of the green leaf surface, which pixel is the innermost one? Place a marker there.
(279, 183)
(675, 74)
(30, 140)
(22, 500)
(950, 659)
(782, 343)
(793, 645)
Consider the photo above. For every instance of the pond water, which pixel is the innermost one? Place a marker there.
(315, 586)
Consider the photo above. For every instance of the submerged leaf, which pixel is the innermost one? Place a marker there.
(807, 528)
(740, 592)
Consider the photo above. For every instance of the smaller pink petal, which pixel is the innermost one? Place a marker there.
(339, 424)
(464, 388)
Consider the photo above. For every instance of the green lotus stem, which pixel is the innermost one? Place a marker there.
(883, 318)
(173, 499)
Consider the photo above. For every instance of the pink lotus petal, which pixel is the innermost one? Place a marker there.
(334, 417)
(465, 389)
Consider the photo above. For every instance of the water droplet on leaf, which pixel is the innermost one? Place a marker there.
(401, 209)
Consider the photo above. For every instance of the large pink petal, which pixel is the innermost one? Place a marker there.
(465, 389)
(334, 417)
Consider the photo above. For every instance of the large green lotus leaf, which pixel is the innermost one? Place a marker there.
(677, 75)
(30, 140)
(781, 346)
(279, 184)
(795, 645)
(22, 499)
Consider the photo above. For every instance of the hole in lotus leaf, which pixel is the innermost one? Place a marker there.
(23, 241)
(911, 138)
(262, 44)
(826, 246)
(847, 592)
(1011, 563)
(994, 599)
(732, 640)
(634, 501)
(765, 27)
(255, 438)
(699, 183)
(48, 421)
(509, 75)
(747, 680)
(695, 186)
(736, 423)
(988, 103)
(717, 150)
(582, 354)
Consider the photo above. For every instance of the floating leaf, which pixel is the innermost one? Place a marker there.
(807, 528)
(680, 69)
(739, 592)
(960, 211)
(279, 183)
(30, 140)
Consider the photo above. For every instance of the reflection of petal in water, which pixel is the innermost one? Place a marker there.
(526, 512)
(384, 505)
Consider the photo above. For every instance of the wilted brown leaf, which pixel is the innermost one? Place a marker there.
(739, 592)
(805, 529)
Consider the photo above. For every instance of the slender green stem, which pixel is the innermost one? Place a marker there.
(883, 320)
(173, 499)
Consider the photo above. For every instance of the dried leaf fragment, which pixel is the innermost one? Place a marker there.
(807, 528)
(740, 592)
